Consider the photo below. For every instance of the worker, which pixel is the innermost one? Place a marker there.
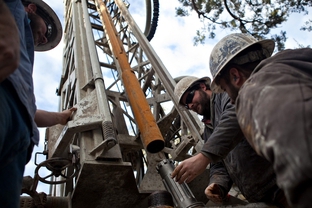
(19, 115)
(233, 160)
(46, 33)
(273, 98)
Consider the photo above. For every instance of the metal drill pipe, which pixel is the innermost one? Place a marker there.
(150, 133)
(181, 193)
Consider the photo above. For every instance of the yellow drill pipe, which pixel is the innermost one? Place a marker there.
(150, 133)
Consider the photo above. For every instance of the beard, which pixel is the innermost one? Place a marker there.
(233, 92)
(205, 104)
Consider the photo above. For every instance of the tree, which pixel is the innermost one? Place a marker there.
(256, 17)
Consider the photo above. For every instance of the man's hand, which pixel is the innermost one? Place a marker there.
(214, 193)
(190, 168)
(65, 115)
(9, 42)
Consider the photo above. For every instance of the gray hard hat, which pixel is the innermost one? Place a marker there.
(186, 83)
(54, 26)
(229, 47)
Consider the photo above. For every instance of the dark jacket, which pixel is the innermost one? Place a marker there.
(274, 109)
(234, 159)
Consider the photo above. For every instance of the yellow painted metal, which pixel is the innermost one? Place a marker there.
(150, 133)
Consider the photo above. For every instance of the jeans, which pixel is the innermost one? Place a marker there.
(14, 143)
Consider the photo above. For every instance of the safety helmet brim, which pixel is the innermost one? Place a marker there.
(54, 26)
(268, 47)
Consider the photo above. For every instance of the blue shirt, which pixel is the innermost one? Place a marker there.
(22, 79)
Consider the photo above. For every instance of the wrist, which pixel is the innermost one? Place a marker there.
(204, 158)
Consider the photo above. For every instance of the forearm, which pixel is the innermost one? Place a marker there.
(220, 176)
(46, 118)
(212, 157)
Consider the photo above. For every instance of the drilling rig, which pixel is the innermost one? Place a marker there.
(127, 120)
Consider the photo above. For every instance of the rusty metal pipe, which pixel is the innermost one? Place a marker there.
(150, 133)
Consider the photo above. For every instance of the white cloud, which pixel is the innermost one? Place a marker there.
(295, 35)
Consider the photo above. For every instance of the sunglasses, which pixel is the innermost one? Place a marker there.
(189, 98)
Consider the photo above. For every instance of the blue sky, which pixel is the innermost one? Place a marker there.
(173, 42)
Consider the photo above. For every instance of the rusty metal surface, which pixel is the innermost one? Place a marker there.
(106, 185)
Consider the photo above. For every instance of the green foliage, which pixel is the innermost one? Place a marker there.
(181, 12)
(199, 38)
(256, 17)
(307, 26)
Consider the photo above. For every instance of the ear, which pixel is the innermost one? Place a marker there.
(31, 8)
(235, 76)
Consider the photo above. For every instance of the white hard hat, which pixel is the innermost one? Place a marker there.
(230, 46)
(186, 83)
(54, 27)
